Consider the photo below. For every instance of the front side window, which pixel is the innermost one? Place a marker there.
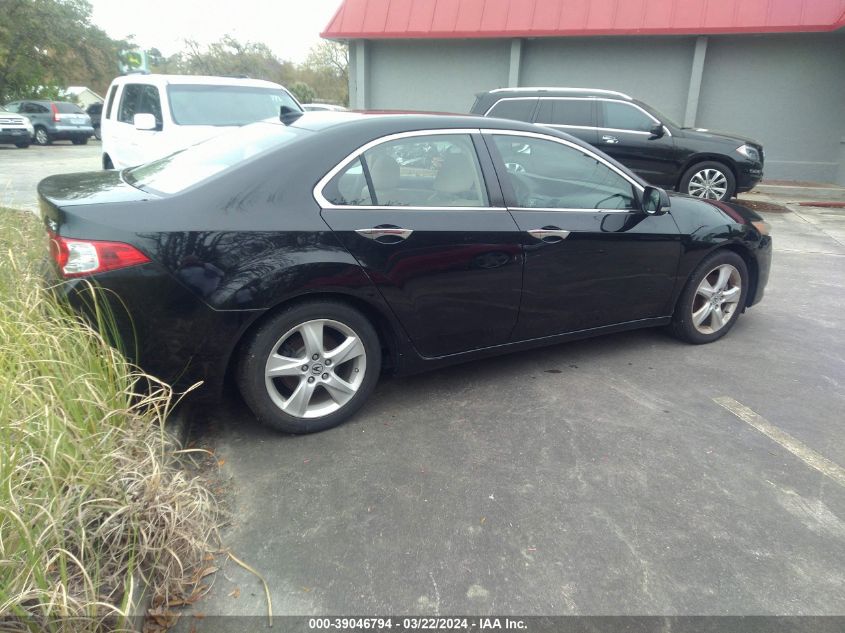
(420, 171)
(576, 112)
(194, 104)
(150, 103)
(129, 103)
(550, 175)
(623, 116)
(514, 109)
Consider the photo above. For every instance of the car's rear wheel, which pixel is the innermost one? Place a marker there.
(22, 145)
(709, 180)
(79, 140)
(107, 162)
(713, 298)
(42, 136)
(98, 134)
(310, 367)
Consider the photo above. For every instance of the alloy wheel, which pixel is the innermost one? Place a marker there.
(41, 136)
(315, 368)
(708, 183)
(716, 299)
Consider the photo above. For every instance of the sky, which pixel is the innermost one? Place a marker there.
(289, 27)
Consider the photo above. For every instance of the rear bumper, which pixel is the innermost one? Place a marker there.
(69, 131)
(176, 337)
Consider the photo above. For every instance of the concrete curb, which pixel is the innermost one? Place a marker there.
(801, 193)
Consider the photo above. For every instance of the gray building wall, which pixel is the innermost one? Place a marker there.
(787, 91)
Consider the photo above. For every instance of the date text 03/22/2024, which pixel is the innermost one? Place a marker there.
(417, 624)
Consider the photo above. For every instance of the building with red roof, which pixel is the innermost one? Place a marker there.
(773, 70)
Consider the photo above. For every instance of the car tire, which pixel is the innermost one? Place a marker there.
(712, 299)
(710, 180)
(42, 136)
(317, 381)
(107, 162)
(98, 133)
(22, 145)
(79, 140)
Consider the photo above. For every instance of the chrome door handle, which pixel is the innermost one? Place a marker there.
(385, 231)
(549, 233)
(607, 138)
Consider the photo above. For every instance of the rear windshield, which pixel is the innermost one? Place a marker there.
(190, 166)
(226, 105)
(68, 108)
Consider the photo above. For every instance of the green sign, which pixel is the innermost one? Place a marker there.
(134, 61)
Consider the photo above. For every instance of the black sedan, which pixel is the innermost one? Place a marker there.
(303, 257)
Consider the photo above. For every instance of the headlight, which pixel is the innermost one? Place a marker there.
(749, 152)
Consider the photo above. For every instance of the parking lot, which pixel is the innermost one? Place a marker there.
(597, 477)
(21, 169)
(630, 474)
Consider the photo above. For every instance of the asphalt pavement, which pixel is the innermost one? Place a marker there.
(22, 169)
(630, 474)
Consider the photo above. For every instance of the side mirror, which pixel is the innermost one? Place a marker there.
(657, 131)
(144, 121)
(655, 201)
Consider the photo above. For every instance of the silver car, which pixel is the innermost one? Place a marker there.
(55, 121)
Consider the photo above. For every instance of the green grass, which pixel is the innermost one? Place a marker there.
(90, 500)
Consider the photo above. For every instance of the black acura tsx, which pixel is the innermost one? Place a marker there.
(303, 257)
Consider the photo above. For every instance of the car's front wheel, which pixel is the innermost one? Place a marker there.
(709, 180)
(713, 298)
(309, 367)
(22, 145)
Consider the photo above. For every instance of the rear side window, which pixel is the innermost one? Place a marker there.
(417, 171)
(515, 109)
(68, 108)
(577, 112)
(110, 101)
(622, 116)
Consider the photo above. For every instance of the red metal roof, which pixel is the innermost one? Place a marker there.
(385, 19)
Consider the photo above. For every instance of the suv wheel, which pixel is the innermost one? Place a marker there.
(79, 140)
(22, 145)
(709, 180)
(309, 367)
(98, 133)
(42, 136)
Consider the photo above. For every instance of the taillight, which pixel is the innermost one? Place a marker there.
(77, 258)
(55, 110)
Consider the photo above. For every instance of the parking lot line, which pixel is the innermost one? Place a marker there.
(803, 452)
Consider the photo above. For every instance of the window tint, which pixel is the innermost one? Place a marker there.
(112, 93)
(622, 116)
(420, 171)
(566, 112)
(150, 103)
(516, 109)
(33, 108)
(129, 103)
(67, 108)
(547, 174)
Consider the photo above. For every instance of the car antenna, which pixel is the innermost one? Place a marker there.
(288, 115)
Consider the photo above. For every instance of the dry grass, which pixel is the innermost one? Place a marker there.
(89, 498)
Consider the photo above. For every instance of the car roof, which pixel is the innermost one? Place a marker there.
(558, 92)
(395, 122)
(197, 80)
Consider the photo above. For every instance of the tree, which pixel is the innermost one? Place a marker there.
(47, 44)
(327, 70)
(302, 91)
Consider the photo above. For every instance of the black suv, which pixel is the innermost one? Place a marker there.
(701, 163)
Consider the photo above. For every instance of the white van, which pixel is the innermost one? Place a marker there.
(146, 117)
